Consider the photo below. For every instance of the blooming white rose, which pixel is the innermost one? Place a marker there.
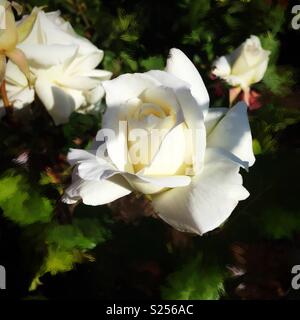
(192, 175)
(62, 63)
(245, 66)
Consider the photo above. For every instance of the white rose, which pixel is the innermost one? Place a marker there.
(192, 176)
(245, 66)
(62, 63)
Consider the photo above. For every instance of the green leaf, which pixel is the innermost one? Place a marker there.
(256, 147)
(278, 81)
(68, 245)
(155, 62)
(21, 203)
(195, 281)
(278, 223)
(82, 234)
(129, 61)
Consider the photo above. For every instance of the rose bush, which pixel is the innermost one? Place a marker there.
(192, 174)
(62, 64)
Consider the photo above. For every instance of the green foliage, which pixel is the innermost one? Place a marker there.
(195, 281)
(68, 245)
(268, 123)
(278, 80)
(81, 126)
(81, 234)
(21, 203)
(153, 63)
(277, 223)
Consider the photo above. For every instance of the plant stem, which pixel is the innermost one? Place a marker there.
(7, 104)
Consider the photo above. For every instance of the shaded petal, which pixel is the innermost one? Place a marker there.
(95, 193)
(47, 30)
(118, 91)
(212, 118)
(46, 56)
(79, 155)
(25, 25)
(85, 64)
(20, 96)
(78, 83)
(182, 67)
(8, 36)
(155, 184)
(18, 57)
(128, 86)
(208, 201)
(95, 95)
(14, 76)
(98, 74)
(165, 98)
(58, 102)
(221, 67)
(96, 169)
(233, 134)
(192, 112)
(173, 154)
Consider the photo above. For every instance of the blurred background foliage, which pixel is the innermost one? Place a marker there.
(52, 251)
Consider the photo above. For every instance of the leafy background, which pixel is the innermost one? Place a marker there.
(52, 251)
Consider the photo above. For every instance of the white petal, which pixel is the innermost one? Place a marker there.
(212, 118)
(167, 79)
(261, 69)
(96, 169)
(47, 55)
(14, 75)
(78, 155)
(165, 98)
(78, 83)
(95, 193)
(174, 152)
(222, 67)
(46, 31)
(98, 74)
(207, 202)
(85, 64)
(155, 184)
(59, 104)
(182, 67)
(19, 96)
(95, 95)
(118, 91)
(233, 134)
(90, 165)
(128, 86)
(192, 112)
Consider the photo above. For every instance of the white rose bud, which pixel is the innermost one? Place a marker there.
(63, 67)
(9, 40)
(191, 174)
(243, 67)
